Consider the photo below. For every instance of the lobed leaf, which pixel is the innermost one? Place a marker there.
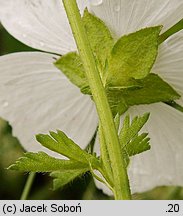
(131, 142)
(60, 143)
(129, 131)
(41, 162)
(138, 145)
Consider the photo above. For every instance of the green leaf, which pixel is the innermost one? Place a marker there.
(41, 162)
(174, 29)
(131, 142)
(71, 65)
(63, 178)
(129, 131)
(133, 56)
(151, 89)
(63, 171)
(100, 39)
(138, 145)
(116, 102)
(154, 90)
(60, 143)
(101, 43)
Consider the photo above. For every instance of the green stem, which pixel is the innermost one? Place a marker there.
(121, 183)
(28, 186)
(174, 29)
(105, 156)
(175, 105)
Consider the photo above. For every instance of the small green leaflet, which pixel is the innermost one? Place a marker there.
(129, 131)
(138, 145)
(131, 142)
(60, 143)
(100, 39)
(71, 65)
(133, 56)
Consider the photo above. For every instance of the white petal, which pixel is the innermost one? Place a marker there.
(169, 64)
(40, 24)
(162, 165)
(35, 98)
(124, 16)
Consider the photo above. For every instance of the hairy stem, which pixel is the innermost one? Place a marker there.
(121, 183)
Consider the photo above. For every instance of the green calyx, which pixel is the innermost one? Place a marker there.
(124, 66)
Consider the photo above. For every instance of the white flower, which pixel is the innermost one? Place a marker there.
(35, 97)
